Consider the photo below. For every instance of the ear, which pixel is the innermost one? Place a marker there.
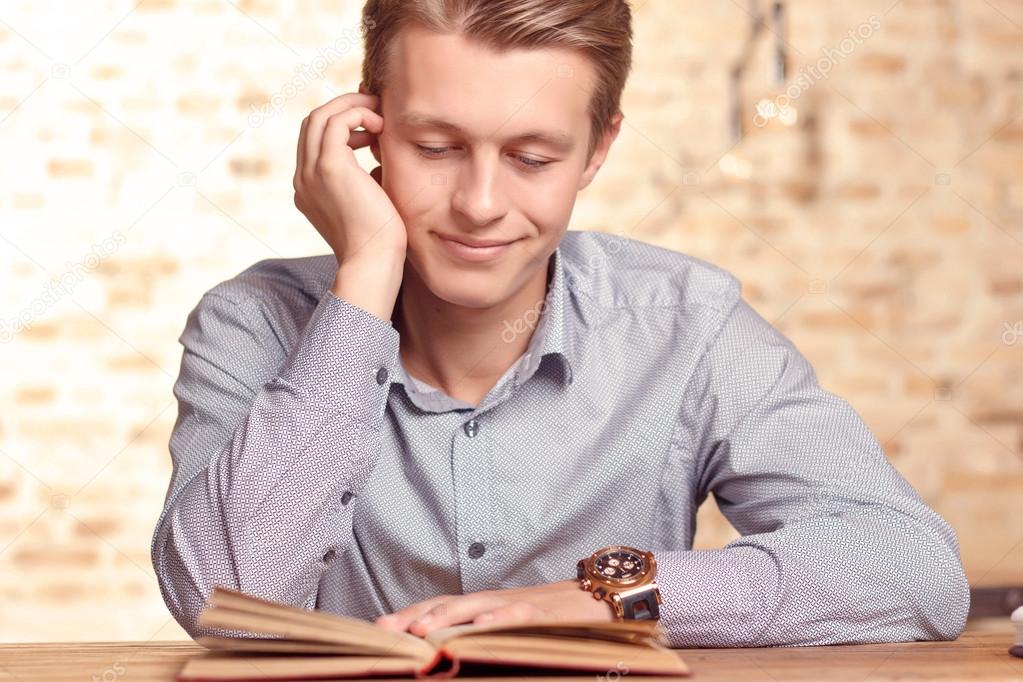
(601, 150)
(374, 145)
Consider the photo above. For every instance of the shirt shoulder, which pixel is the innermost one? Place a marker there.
(303, 279)
(275, 297)
(615, 271)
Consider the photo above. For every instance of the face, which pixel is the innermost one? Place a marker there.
(484, 147)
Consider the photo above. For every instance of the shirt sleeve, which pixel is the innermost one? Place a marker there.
(836, 545)
(268, 450)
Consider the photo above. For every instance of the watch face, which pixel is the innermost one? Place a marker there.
(619, 565)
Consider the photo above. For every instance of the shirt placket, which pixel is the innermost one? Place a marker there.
(479, 549)
(471, 451)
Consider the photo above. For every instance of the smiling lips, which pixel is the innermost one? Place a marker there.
(476, 251)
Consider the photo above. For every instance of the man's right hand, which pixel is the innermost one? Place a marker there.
(347, 205)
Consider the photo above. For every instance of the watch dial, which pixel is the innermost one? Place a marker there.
(619, 565)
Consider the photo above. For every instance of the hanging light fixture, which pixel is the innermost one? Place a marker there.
(766, 109)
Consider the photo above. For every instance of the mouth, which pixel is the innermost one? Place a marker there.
(475, 250)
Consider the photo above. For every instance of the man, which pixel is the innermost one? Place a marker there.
(466, 413)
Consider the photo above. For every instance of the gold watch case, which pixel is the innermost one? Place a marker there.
(617, 572)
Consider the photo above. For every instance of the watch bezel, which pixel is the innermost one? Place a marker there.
(594, 576)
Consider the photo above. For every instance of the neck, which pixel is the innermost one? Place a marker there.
(464, 351)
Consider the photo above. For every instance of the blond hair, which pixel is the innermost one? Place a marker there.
(600, 30)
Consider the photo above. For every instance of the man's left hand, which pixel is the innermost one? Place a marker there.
(563, 600)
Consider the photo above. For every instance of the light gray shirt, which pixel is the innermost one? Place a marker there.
(310, 468)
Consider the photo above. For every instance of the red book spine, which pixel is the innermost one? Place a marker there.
(443, 666)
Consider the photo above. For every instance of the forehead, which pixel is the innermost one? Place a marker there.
(436, 78)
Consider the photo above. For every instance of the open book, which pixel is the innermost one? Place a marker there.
(292, 643)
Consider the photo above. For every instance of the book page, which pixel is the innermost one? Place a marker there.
(625, 631)
(220, 667)
(538, 651)
(233, 610)
(279, 646)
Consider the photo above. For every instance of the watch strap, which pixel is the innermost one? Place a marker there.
(641, 603)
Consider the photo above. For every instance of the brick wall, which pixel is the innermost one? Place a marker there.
(872, 209)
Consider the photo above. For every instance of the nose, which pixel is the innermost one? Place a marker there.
(478, 193)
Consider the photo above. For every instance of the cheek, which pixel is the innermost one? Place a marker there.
(412, 187)
(548, 201)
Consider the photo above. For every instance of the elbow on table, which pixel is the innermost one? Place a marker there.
(184, 611)
(183, 590)
(925, 573)
(941, 589)
(924, 605)
(189, 623)
(917, 592)
(940, 601)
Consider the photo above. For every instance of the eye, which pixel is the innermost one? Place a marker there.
(439, 152)
(531, 163)
(431, 151)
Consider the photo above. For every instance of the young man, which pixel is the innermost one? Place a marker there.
(438, 421)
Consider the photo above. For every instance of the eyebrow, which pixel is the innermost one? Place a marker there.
(558, 140)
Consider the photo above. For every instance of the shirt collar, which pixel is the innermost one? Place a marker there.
(551, 335)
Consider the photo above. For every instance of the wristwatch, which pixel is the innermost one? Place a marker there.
(623, 577)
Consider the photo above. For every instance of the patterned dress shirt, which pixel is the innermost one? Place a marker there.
(310, 468)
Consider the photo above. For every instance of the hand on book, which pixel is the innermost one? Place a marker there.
(283, 641)
(563, 600)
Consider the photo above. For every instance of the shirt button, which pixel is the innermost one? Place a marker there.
(470, 427)
(476, 550)
(381, 375)
(346, 497)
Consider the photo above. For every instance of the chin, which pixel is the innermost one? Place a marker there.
(464, 284)
(468, 290)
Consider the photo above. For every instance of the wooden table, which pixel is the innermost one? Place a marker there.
(980, 653)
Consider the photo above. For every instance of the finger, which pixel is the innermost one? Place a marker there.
(338, 130)
(360, 138)
(319, 116)
(461, 609)
(300, 152)
(399, 620)
(516, 612)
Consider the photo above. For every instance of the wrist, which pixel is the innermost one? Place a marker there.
(372, 286)
(373, 255)
(588, 607)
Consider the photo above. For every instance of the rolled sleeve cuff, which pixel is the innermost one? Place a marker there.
(345, 359)
(715, 598)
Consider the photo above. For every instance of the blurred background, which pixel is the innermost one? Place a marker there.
(858, 165)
